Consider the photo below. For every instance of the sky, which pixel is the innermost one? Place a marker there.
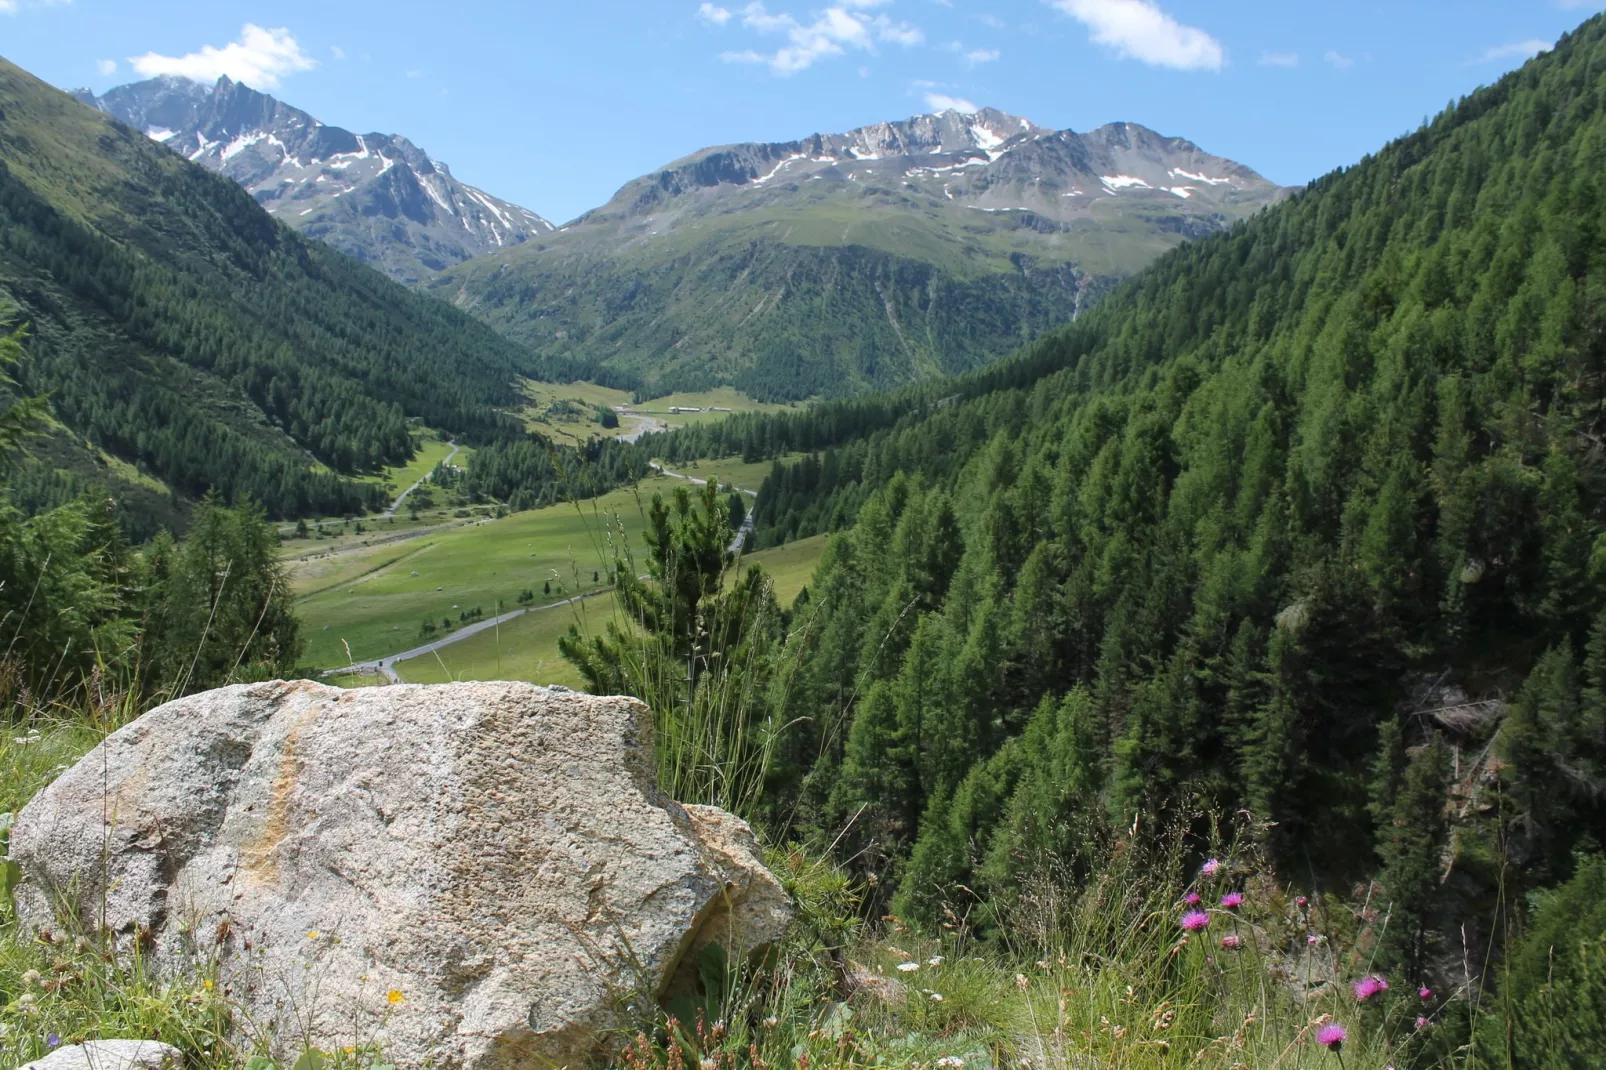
(555, 104)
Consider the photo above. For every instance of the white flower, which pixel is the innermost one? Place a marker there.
(934, 961)
(936, 997)
(908, 967)
(950, 1062)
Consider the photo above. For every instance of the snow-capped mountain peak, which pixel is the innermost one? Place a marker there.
(377, 197)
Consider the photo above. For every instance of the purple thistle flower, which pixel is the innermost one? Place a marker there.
(1195, 920)
(1332, 1037)
(1421, 1023)
(1232, 942)
(1368, 986)
(1192, 899)
(1232, 900)
(1211, 867)
(1425, 992)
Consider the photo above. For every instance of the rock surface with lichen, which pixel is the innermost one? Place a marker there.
(470, 875)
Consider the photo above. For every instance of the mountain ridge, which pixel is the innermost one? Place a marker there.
(796, 268)
(376, 197)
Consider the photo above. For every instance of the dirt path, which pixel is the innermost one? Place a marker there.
(395, 505)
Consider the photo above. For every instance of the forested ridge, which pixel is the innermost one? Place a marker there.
(175, 325)
(1306, 520)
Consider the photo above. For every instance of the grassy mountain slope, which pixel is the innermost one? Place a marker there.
(845, 263)
(1308, 519)
(179, 328)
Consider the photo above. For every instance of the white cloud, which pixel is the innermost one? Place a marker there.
(991, 20)
(1523, 50)
(259, 59)
(11, 7)
(1279, 59)
(1338, 60)
(1138, 29)
(337, 52)
(833, 32)
(981, 55)
(106, 66)
(940, 102)
(719, 16)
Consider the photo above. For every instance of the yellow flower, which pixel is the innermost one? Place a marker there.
(394, 996)
(351, 1051)
(207, 985)
(313, 935)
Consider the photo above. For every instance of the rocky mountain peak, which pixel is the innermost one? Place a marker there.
(377, 197)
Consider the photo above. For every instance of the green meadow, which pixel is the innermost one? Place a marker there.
(526, 648)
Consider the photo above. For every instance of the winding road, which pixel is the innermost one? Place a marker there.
(395, 505)
(386, 666)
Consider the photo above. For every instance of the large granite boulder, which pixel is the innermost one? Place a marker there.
(470, 875)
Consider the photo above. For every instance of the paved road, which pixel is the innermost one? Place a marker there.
(395, 505)
(747, 521)
(386, 666)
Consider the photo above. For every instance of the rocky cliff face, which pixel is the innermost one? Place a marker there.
(473, 875)
(377, 197)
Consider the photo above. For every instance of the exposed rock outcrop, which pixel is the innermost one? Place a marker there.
(111, 1055)
(472, 875)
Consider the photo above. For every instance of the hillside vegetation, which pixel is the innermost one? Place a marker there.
(1306, 521)
(180, 329)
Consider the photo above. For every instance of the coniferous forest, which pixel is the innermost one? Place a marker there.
(1307, 521)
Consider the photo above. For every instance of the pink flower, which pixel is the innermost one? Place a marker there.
(1312, 939)
(1195, 920)
(1421, 1023)
(1192, 898)
(1211, 867)
(1232, 942)
(1301, 901)
(1369, 986)
(1425, 993)
(1332, 1037)
(1232, 900)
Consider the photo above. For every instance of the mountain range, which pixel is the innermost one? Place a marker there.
(376, 197)
(846, 262)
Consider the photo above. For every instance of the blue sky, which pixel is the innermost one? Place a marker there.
(554, 104)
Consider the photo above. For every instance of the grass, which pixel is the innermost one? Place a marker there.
(729, 470)
(525, 648)
(431, 452)
(790, 567)
(375, 598)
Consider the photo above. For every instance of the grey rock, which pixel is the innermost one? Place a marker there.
(496, 855)
(111, 1055)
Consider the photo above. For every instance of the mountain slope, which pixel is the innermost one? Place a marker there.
(376, 197)
(178, 327)
(1307, 522)
(845, 262)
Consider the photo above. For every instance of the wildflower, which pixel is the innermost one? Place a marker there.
(1232, 900)
(708, 1062)
(394, 996)
(771, 1022)
(207, 985)
(1211, 867)
(1301, 901)
(350, 1050)
(908, 967)
(1192, 899)
(1332, 1037)
(32, 977)
(934, 961)
(936, 997)
(313, 935)
(1312, 939)
(1421, 1023)
(1195, 920)
(1021, 982)
(1368, 986)
(1425, 992)
(951, 1062)
(1232, 942)
(52, 1041)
